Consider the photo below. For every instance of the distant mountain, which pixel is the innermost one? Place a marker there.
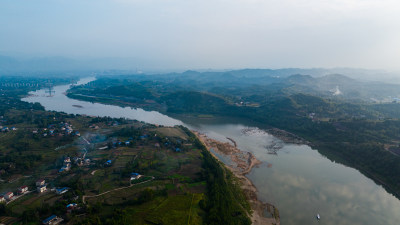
(343, 87)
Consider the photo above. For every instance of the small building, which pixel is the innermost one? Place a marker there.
(71, 207)
(61, 191)
(40, 182)
(41, 189)
(9, 196)
(23, 189)
(135, 176)
(67, 160)
(66, 167)
(52, 220)
(108, 163)
(2, 199)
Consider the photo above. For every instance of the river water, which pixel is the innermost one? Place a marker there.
(298, 180)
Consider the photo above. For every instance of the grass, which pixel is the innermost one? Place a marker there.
(172, 132)
(175, 210)
(179, 210)
(119, 197)
(31, 201)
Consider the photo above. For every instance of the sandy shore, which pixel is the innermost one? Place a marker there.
(242, 164)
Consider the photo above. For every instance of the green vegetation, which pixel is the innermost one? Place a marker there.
(174, 187)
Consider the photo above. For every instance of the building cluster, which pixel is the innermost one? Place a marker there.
(10, 196)
(53, 219)
(41, 186)
(5, 129)
(79, 161)
(175, 144)
(66, 165)
(115, 143)
(61, 129)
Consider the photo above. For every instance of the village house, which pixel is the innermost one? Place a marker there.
(71, 207)
(108, 163)
(9, 196)
(61, 191)
(23, 189)
(40, 182)
(94, 126)
(41, 189)
(66, 167)
(67, 160)
(135, 176)
(52, 220)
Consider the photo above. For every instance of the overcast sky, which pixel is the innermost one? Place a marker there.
(218, 34)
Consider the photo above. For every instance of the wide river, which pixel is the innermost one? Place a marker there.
(298, 180)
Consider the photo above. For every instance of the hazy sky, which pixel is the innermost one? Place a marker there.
(208, 33)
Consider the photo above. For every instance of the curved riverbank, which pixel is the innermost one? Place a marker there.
(242, 164)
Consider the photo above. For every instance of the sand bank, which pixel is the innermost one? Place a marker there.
(242, 164)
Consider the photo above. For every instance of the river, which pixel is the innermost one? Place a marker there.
(298, 180)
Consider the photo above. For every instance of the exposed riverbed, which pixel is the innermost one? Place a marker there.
(298, 180)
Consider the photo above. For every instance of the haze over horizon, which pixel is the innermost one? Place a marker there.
(219, 34)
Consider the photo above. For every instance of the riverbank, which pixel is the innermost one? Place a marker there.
(242, 164)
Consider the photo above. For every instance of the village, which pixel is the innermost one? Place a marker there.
(103, 157)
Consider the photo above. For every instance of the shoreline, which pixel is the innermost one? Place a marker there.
(243, 164)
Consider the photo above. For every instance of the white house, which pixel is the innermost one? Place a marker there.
(23, 189)
(41, 189)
